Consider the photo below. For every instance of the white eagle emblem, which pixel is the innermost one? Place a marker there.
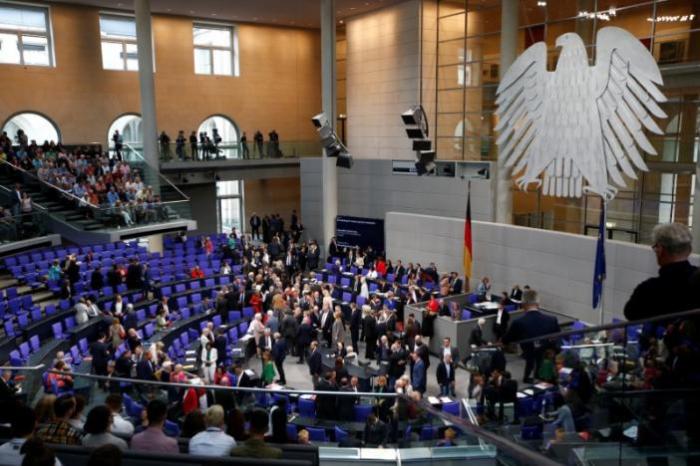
(579, 126)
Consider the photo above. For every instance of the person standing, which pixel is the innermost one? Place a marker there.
(180, 145)
(446, 376)
(164, 145)
(279, 353)
(533, 324)
(303, 338)
(258, 143)
(355, 324)
(500, 323)
(255, 223)
(245, 153)
(193, 145)
(315, 363)
(418, 373)
(118, 144)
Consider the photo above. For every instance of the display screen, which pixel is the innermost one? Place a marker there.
(359, 231)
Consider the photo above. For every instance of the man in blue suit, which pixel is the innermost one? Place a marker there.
(418, 374)
(531, 325)
(279, 352)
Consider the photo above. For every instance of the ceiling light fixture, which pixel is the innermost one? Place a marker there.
(541, 3)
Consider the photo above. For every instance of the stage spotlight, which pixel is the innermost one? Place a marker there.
(420, 145)
(412, 116)
(327, 136)
(319, 120)
(426, 163)
(344, 160)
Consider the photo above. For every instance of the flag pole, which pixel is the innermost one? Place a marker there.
(604, 205)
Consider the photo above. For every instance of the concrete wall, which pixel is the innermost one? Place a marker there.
(275, 196)
(203, 204)
(383, 79)
(278, 87)
(370, 189)
(558, 265)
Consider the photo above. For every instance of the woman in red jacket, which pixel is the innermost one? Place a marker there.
(380, 266)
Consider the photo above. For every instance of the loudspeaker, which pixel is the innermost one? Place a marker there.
(327, 136)
(420, 145)
(334, 150)
(426, 163)
(319, 120)
(415, 133)
(344, 160)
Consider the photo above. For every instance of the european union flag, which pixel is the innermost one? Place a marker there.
(599, 272)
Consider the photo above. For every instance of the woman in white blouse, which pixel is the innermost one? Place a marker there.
(209, 358)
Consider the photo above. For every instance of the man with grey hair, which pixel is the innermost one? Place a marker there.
(213, 441)
(531, 325)
(673, 290)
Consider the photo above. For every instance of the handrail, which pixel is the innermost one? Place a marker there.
(69, 194)
(133, 150)
(35, 204)
(612, 326)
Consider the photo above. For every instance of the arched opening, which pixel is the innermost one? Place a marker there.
(129, 127)
(222, 129)
(35, 126)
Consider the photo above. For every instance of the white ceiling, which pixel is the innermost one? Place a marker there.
(300, 13)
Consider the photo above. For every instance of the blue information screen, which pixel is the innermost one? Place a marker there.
(360, 231)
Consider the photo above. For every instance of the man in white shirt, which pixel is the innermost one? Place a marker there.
(23, 426)
(213, 441)
(81, 312)
(120, 426)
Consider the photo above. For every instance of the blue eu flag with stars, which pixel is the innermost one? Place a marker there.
(599, 272)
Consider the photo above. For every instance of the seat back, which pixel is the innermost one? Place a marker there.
(317, 434)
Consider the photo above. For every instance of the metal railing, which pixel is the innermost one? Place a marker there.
(235, 150)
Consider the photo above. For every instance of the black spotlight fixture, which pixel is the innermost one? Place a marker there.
(426, 163)
(344, 160)
(416, 122)
(333, 146)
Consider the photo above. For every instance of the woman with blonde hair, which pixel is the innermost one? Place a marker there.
(338, 329)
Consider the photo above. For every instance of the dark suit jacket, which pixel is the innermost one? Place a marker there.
(418, 376)
(476, 337)
(532, 324)
(457, 286)
(376, 434)
(144, 371)
(279, 350)
(220, 345)
(100, 354)
(305, 334)
(130, 321)
(262, 345)
(316, 363)
(441, 373)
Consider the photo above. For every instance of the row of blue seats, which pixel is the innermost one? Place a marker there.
(59, 252)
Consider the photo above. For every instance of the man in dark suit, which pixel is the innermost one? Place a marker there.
(133, 275)
(265, 342)
(376, 432)
(279, 352)
(500, 323)
(130, 320)
(476, 337)
(446, 376)
(304, 337)
(255, 223)
(315, 363)
(145, 369)
(448, 349)
(327, 325)
(346, 404)
(533, 324)
(326, 404)
(220, 344)
(99, 351)
(355, 324)
(456, 286)
(418, 373)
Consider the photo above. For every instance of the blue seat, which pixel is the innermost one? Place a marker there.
(16, 358)
(466, 314)
(216, 320)
(180, 288)
(10, 329)
(317, 434)
(248, 312)
(148, 330)
(57, 329)
(83, 345)
(292, 434)
(195, 285)
(171, 429)
(24, 350)
(36, 314)
(347, 297)
(22, 321)
(34, 343)
(451, 408)
(50, 309)
(70, 322)
(427, 433)
(361, 412)
(531, 432)
(186, 314)
(340, 434)
(233, 316)
(306, 407)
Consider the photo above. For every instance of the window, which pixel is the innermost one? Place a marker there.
(36, 127)
(118, 36)
(25, 35)
(223, 134)
(230, 205)
(215, 50)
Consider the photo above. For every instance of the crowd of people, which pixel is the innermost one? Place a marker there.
(91, 180)
(203, 146)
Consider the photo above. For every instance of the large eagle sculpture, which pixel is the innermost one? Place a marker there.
(579, 128)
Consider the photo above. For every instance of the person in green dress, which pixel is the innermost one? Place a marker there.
(268, 373)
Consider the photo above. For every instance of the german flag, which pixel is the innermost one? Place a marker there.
(468, 251)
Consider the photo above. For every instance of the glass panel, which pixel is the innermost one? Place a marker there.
(36, 50)
(217, 37)
(230, 214)
(112, 56)
(227, 188)
(451, 27)
(132, 59)
(9, 49)
(202, 61)
(117, 27)
(23, 18)
(222, 62)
